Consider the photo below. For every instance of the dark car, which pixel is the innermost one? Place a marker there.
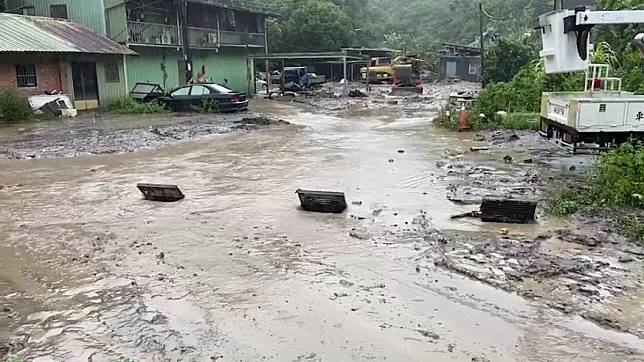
(196, 97)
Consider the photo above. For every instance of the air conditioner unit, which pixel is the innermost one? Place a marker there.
(165, 39)
(212, 38)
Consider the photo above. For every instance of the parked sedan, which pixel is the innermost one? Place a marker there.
(196, 97)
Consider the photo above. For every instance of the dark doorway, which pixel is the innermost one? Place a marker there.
(85, 85)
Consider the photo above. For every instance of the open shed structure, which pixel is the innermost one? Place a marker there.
(343, 64)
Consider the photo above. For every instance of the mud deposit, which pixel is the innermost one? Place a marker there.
(106, 134)
(89, 271)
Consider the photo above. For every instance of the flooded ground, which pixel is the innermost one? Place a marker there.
(236, 272)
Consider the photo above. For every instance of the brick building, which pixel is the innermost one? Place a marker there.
(39, 55)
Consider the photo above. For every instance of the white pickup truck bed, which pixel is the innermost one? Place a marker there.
(597, 112)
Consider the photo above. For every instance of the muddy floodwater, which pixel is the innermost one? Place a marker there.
(237, 272)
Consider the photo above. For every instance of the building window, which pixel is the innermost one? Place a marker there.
(112, 73)
(474, 68)
(28, 10)
(26, 75)
(58, 11)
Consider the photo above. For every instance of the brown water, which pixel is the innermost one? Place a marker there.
(245, 275)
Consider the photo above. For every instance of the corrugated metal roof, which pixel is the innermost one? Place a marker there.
(20, 33)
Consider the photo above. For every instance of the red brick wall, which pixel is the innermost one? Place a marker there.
(51, 73)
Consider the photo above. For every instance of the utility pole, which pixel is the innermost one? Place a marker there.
(481, 33)
(182, 14)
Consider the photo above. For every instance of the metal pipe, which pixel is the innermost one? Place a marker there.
(558, 5)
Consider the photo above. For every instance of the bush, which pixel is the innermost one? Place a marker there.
(514, 121)
(567, 202)
(207, 106)
(618, 177)
(14, 107)
(616, 181)
(127, 105)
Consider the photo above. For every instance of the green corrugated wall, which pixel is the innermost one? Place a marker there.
(229, 63)
(90, 13)
(108, 92)
(146, 67)
(116, 22)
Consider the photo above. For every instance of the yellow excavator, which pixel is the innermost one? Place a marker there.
(383, 69)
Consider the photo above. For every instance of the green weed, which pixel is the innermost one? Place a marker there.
(207, 106)
(633, 228)
(14, 107)
(127, 105)
(618, 177)
(567, 202)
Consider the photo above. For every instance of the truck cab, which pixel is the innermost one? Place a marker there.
(297, 76)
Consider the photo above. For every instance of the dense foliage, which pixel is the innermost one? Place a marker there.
(316, 25)
(14, 107)
(507, 57)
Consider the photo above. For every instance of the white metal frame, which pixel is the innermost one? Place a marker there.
(600, 72)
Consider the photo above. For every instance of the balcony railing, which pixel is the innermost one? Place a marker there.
(211, 38)
(203, 38)
(238, 38)
(153, 34)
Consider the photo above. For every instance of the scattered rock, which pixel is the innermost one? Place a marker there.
(507, 159)
(625, 259)
(391, 160)
(450, 347)
(428, 334)
(359, 235)
(401, 151)
(345, 283)
(357, 203)
(572, 168)
(357, 93)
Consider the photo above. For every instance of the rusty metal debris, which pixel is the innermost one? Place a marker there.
(503, 210)
(322, 201)
(163, 193)
(508, 210)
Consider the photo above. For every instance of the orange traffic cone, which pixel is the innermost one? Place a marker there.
(462, 121)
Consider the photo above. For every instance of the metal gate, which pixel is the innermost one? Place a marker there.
(85, 85)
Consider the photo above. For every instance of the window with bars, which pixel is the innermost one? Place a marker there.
(26, 75)
(112, 73)
(58, 11)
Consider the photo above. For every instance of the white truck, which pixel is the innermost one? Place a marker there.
(602, 115)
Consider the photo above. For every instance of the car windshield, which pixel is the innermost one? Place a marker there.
(219, 88)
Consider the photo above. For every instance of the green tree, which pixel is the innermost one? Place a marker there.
(506, 58)
(309, 25)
